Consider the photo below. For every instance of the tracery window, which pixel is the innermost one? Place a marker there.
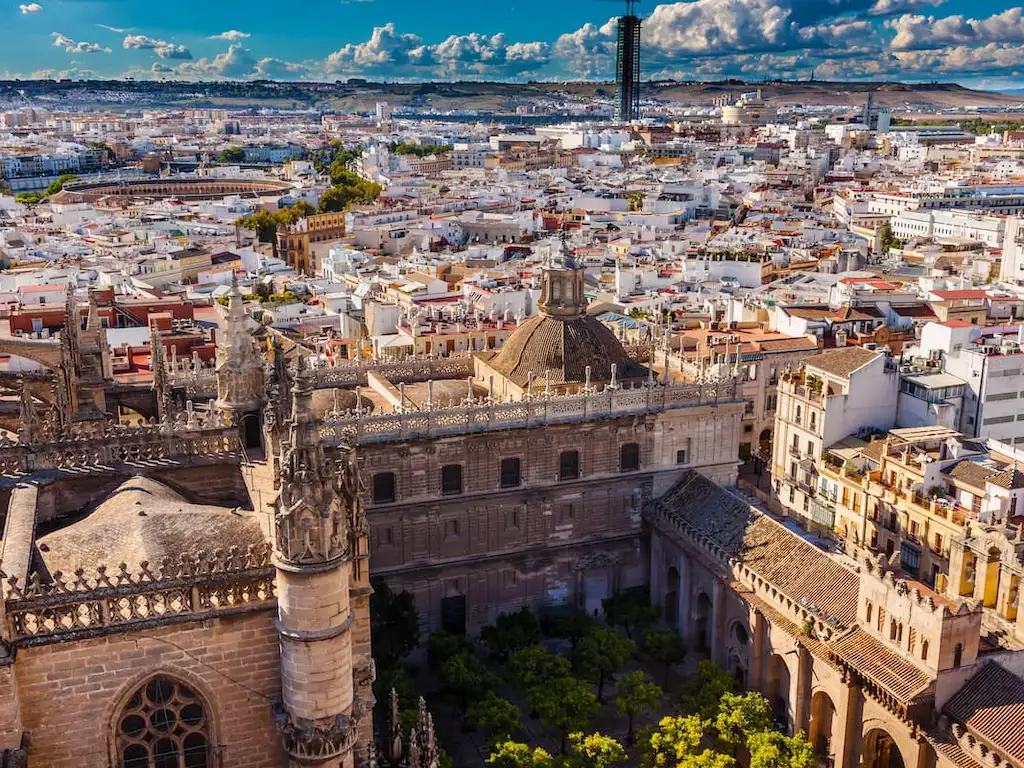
(164, 725)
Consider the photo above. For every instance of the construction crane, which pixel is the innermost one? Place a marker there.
(627, 65)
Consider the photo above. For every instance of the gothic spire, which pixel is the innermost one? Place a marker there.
(28, 429)
(240, 380)
(158, 364)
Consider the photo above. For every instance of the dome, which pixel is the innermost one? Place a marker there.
(564, 347)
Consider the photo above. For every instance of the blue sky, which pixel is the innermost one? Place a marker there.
(978, 43)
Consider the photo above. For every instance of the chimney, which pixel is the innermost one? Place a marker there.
(840, 338)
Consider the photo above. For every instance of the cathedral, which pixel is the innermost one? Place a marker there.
(193, 590)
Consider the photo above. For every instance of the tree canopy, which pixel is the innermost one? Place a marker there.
(58, 184)
(664, 646)
(630, 610)
(511, 632)
(513, 754)
(498, 716)
(231, 155)
(701, 693)
(594, 750)
(566, 704)
(394, 624)
(601, 654)
(533, 665)
(634, 695)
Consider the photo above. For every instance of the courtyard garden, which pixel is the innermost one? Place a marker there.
(563, 689)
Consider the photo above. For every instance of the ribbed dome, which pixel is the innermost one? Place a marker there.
(563, 347)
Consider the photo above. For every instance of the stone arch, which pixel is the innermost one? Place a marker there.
(880, 750)
(777, 688)
(250, 431)
(705, 609)
(822, 725)
(181, 691)
(671, 600)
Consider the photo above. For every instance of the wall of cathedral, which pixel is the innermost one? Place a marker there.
(71, 694)
(504, 547)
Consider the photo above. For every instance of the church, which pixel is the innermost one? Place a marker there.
(193, 592)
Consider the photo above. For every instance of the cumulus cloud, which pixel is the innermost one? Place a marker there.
(892, 7)
(928, 32)
(70, 46)
(30, 8)
(161, 48)
(236, 63)
(386, 47)
(272, 68)
(589, 51)
(232, 34)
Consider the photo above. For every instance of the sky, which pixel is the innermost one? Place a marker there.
(979, 43)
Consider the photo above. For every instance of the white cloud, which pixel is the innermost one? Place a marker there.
(70, 46)
(116, 30)
(928, 32)
(30, 8)
(236, 63)
(272, 68)
(161, 48)
(589, 51)
(892, 7)
(232, 34)
(385, 47)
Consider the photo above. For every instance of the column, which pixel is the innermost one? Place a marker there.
(802, 699)
(758, 627)
(718, 624)
(846, 731)
(685, 588)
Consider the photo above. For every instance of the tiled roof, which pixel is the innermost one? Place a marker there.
(991, 704)
(770, 550)
(971, 473)
(564, 347)
(873, 659)
(842, 361)
(1010, 478)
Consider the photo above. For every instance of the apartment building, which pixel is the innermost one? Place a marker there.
(845, 391)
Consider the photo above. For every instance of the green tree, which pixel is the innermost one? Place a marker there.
(293, 213)
(408, 697)
(771, 749)
(58, 185)
(28, 198)
(467, 679)
(565, 704)
(442, 646)
(262, 222)
(701, 693)
(740, 716)
(885, 236)
(533, 665)
(231, 155)
(594, 750)
(513, 754)
(511, 632)
(673, 740)
(664, 646)
(570, 623)
(708, 759)
(394, 624)
(601, 654)
(498, 716)
(633, 696)
(336, 199)
(630, 610)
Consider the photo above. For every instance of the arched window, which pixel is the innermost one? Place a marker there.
(924, 651)
(163, 725)
(892, 629)
(958, 655)
(869, 612)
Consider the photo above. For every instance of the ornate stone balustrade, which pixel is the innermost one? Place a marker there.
(98, 444)
(201, 381)
(539, 410)
(44, 612)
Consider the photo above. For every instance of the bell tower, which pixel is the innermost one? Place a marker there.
(313, 552)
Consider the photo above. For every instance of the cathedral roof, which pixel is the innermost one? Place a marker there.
(564, 346)
(992, 705)
(144, 520)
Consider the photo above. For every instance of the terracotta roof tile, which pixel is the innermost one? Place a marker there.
(991, 704)
(872, 658)
(971, 473)
(842, 361)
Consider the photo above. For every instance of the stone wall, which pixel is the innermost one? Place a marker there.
(71, 694)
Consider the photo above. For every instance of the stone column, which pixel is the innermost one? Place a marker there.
(686, 621)
(718, 623)
(847, 725)
(318, 715)
(758, 629)
(802, 699)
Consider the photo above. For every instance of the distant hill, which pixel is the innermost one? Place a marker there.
(361, 95)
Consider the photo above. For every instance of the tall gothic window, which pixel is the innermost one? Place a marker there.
(164, 725)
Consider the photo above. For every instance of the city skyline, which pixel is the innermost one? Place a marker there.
(975, 44)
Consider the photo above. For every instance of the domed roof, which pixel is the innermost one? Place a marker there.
(564, 347)
(143, 519)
